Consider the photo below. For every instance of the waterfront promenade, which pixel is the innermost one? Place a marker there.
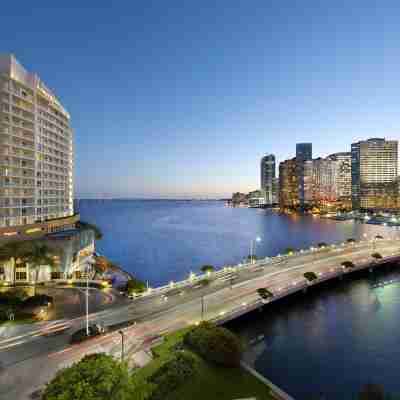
(230, 293)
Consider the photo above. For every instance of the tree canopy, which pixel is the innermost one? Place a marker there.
(377, 256)
(95, 377)
(215, 344)
(310, 276)
(207, 268)
(348, 264)
(135, 286)
(98, 234)
(264, 293)
(371, 391)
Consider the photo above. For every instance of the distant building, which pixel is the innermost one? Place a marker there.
(374, 173)
(256, 198)
(267, 170)
(325, 177)
(308, 182)
(303, 153)
(343, 181)
(288, 184)
(239, 199)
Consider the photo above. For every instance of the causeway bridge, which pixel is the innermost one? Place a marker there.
(219, 296)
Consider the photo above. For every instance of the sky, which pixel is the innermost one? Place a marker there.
(179, 99)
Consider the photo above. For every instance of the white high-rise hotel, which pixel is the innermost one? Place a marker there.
(36, 150)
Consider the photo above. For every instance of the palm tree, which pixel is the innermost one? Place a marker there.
(39, 254)
(13, 251)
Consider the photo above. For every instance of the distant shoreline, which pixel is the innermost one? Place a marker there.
(144, 199)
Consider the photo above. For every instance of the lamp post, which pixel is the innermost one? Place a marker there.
(253, 243)
(202, 307)
(88, 268)
(122, 344)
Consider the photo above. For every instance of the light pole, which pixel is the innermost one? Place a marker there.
(253, 243)
(122, 344)
(202, 307)
(89, 264)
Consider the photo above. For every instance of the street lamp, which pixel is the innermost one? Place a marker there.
(89, 264)
(253, 243)
(122, 344)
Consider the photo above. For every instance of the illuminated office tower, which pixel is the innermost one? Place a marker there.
(303, 153)
(374, 169)
(288, 184)
(267, 169)
(36, 153)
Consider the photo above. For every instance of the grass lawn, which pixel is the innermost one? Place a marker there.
(210, 381)
(19, 322)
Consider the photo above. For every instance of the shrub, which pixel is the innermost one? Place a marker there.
(377, 256)
(204, 282)
(289, 251)
(264, 293)
(348, 264)
(371, 391)
(13, 298)
(172, 374)
(322, 245)
(350, 240)
(96, 376)
(207, 268)
(215, 344)
(37, 301)
(310, 276)
(135, 286)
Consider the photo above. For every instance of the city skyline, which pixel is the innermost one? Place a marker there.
(242, 82)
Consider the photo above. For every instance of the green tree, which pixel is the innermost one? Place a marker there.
(264, 293)
(13, 251)
(289, 251)
(322, 245)
(348, 264)
(98, 234)
(207, 269)
(135, 286)
(215, 344)
(376, 256)
(310, 276)
(350, 240)
(95, 377)
(39, 254)
(371, 391)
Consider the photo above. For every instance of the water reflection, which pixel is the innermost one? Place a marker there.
(331, 340)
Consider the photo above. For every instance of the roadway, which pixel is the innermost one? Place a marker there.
(155, 314)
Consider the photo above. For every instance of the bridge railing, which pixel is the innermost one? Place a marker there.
(195, 279)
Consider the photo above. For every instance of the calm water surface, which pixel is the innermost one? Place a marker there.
(331, 340)
(161, 241)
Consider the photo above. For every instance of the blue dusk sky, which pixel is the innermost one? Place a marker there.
(182, 98)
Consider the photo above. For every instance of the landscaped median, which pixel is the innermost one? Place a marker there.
(199, 362)
(210, 377)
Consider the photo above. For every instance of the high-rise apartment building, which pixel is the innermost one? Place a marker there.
(303, 153)
(343, 174)
(374, 170)
(267, 169)
(36, 152)
(288, 184)
(325, 177)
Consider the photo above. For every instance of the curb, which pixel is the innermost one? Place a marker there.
(281, 395)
